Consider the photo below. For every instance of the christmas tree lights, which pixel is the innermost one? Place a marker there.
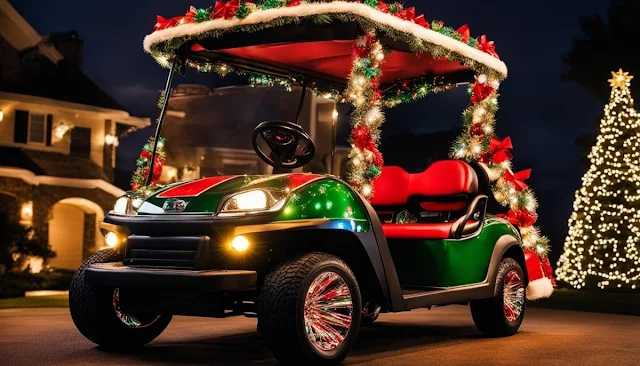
(602, 247)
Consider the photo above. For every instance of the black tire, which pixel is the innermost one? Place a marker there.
(281, 309)
(490, 315)
(93, 313)
(370, 314)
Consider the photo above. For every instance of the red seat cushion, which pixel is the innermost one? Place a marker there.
(417, 231)
(444, 178)
(391, 188)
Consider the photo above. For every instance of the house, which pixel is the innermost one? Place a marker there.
(208, 132)
(58, 139)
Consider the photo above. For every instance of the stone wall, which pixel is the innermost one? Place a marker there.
(45, 196)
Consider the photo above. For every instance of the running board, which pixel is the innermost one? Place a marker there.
(419, 298)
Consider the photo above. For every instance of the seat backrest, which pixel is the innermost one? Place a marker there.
(391, 188)
(446, 186)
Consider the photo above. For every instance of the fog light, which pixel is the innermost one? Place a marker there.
(111, 239)
(240, 243)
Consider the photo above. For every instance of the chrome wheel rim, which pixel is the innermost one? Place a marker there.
(513, 296)
(128, 319)
(328, 311)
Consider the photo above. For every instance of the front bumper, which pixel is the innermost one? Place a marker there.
(119, 275)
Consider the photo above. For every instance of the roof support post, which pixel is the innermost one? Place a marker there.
(167, 93)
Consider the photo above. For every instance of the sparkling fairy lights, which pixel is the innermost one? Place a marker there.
(602, 248)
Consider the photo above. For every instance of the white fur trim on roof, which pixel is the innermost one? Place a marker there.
(539, 289)
(306, 9)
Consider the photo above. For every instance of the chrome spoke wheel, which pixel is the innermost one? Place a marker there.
(513, 296)
(328, 311)
(131, 321)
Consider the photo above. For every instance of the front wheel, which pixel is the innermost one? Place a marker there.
(309, 310)
(502, 314)
(99, 316)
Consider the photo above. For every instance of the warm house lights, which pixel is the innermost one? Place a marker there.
(26, 213)
(603, 241)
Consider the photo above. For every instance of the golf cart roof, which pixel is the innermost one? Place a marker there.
(313, 41)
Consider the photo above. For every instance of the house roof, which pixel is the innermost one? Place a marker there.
(51, 164)
(62, 82)
(44, 71)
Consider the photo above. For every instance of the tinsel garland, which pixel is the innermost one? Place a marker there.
(363, 91)
(478, 143)
(241, 9)
(139, 178)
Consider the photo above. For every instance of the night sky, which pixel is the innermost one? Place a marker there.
(542, 114)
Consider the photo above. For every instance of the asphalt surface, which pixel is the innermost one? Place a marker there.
(442, 336)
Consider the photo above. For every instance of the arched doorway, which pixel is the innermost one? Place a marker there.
(73, 231)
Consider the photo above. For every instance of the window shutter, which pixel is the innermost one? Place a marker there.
(21, 127)
(49, 128)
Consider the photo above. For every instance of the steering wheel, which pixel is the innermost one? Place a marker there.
(290, 147)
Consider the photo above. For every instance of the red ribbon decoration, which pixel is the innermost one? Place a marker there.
(292, 3)
(465, 32)
(481, 92)
(500, 150)
(407, 14)
(517, 179)
(164, 23)
(420, 20)
(190, 17)
(225, 10)
(520, 218)
(487, 46)
(383, 7)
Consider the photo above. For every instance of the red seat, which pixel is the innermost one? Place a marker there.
(446, 180)
(392, 187)
(418, 231)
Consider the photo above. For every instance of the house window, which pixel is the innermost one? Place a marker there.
(37, 126)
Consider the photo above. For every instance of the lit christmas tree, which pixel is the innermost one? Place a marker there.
(604, 229)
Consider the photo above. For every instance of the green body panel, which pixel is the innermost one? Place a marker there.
(320, 198)
(326, 199)
(448, 262)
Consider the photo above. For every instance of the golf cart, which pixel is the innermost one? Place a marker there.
(311, 256)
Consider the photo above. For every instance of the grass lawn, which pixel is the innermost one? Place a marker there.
(591, 301)
(54, 301)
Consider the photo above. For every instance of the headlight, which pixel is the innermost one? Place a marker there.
(257, 200)
(122, 205)
(127, 205)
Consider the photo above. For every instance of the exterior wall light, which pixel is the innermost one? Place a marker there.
(26, 213)
(111, 140)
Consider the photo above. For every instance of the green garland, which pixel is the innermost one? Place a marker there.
(168, 48)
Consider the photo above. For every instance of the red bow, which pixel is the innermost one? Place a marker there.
(407, 14)
(465, 32)
(517, 179)
(481, 92)
(421, 21)
(500, 150)
(487, 46)
(520, 218)
(293, 2)
(164, 23)
(197, 47)
(191, 15)
(225, 10)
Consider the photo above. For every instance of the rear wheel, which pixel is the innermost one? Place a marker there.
(98, 314)
(502, 314)
(306, 310)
